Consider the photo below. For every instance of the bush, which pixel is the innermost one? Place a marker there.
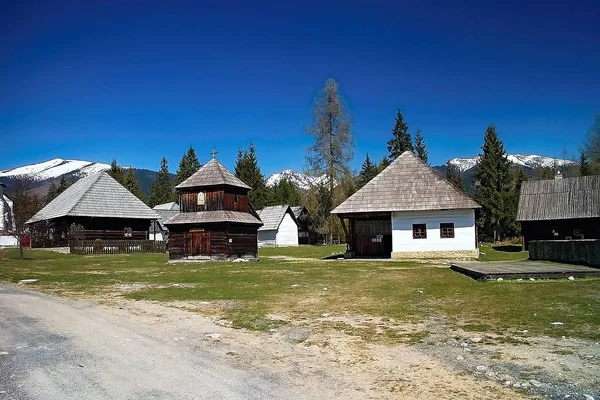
(122, 245)
(98, 245)
(147, 246)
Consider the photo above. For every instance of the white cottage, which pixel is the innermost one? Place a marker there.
(6, 219)
(280, 227)
(409, 211)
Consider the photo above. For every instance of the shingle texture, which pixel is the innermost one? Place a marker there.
(272, 216)
(172, 206)
(203, 217)
(565, 198)
(407, 184)
(297, 210)
(97, 195)
(213, 173)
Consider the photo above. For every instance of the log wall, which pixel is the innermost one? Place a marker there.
(568, 251)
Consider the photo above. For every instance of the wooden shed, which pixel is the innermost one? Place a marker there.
(560, 209)
(280, 227)
(100, 204)
(216, 220)
(409, 211)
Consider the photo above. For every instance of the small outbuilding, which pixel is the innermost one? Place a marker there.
(166, 211)
(560, 209)
(409, 211)
(6, 219)
(280, 227)
(98, 203)
(306, 231)
(216, 220)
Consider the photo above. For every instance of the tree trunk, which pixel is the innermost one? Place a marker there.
(20, 247)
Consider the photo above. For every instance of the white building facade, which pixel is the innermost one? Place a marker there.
(279, 227)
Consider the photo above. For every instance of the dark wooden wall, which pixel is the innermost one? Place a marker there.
(215, 200)
(543, 230)
(55, 233)
(243, 240)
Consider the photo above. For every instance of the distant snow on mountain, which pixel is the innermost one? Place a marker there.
(529, 161)
(301, 180)
(56, 168)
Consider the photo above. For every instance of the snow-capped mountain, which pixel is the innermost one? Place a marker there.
(528, 161)
(55, 168)
(302, 181)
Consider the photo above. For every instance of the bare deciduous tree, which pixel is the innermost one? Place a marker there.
(25, 205)
(334, 142)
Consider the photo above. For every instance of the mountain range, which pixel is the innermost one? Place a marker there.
(50, 171)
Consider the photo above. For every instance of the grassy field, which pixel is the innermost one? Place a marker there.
(247, 293)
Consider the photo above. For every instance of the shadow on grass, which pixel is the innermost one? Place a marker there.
(333, 257)
(510, 248)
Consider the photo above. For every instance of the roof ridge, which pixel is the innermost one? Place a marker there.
(85, 193)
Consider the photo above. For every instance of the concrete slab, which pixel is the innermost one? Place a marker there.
(523, 270)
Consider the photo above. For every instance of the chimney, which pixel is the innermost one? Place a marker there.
(558, 175)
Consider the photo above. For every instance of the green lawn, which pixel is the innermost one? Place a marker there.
(318, 252)
(247, 293)
(502, 252)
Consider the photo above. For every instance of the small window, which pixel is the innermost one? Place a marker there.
(447, 231)
(419, 231)
(201, 198)
(128, 232)
(235, 198)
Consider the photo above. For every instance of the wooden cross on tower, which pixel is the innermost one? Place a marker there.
(214, 153)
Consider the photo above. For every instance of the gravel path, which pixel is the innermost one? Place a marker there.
(53, 348)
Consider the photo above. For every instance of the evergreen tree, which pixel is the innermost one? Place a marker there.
(367, 172)
(401, 140)
(51, 195)
(494, 188)
(383, 164)
(334, 142)
(131, 183)
(188, 165)
(285, 192)
(585, 168)
(162, 188)
(420, 147)
(248, 171)
(453, 175)
(117, 172)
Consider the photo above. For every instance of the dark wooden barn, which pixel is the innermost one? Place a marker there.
(216, 220)
(98, 203)
(560, 209)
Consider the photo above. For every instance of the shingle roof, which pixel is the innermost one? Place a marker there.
(213, 216)
(165, 215)
(97, 195)
(297, 210)
(407, 184)
(565, 198)
(272, 216)
(213, 173)
(172, 206)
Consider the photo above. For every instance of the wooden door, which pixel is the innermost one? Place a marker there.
(197, 243)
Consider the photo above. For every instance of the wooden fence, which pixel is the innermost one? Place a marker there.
(100, 246)
(585, 251)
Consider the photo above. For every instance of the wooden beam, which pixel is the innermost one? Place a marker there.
(344, 227)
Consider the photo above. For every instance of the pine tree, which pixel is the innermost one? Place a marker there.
(334, 143)
(248, 171)
(453, 175)
(421, 148)
(188, 165)
(131, 183)
(383, 164)
(584, 165)
(401, 140)
(51, 195)
(367, 172)
(117, 172)
(162, 188)
(285, 192)
(494, 187)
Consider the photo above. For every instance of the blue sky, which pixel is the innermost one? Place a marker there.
(137, 81)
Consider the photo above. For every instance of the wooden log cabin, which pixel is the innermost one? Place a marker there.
(98, 203)
(216, 220)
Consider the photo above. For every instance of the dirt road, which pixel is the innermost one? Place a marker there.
(52, 348)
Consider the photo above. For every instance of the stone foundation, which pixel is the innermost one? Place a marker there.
(453, 254)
